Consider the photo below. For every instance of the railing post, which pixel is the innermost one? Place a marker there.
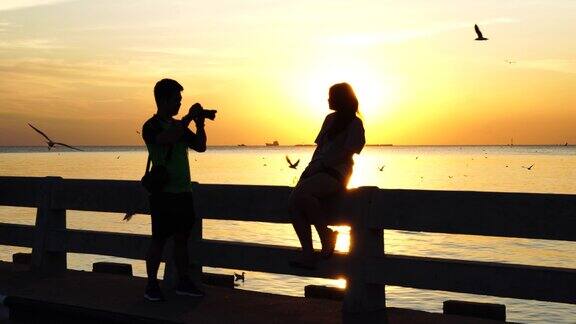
(362, 297)
(195, 260)
(48, 220)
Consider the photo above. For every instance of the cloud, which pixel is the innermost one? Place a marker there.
(553, 65)
(6, 5)
(29, 44)
(4, 26)
(403, 35)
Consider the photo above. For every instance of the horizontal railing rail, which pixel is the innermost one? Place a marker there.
(368, 210)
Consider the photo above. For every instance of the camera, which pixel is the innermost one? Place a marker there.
(197, 111)
(208, 113)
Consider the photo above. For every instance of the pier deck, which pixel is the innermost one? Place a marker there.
(116, 294)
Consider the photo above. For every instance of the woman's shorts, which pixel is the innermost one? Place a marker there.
(343, 180)
(171, 213)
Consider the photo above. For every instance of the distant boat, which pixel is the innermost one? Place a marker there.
(275, 143)
(241, 144)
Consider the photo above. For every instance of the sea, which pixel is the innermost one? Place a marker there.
(531, 169)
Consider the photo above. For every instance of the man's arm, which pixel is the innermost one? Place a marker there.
(197, 141)
(175, 134)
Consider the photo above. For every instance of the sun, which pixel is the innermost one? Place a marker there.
(370, 88)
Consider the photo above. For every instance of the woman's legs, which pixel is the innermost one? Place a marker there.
(306, 209)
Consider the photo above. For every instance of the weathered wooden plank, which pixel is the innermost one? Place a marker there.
(16, 235)
(482, 278)
(266, 258)
(538, 216)
(132, 246)
(213, 253)
(117, 196)
(212, 201)
(265, 203)
(20, 191)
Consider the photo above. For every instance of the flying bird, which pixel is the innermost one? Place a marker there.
(50, 142)
(479, 34)
(292, 165)
(381, 168)
(509, 61)
(528, 168)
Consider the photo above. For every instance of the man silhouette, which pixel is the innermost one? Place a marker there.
(172, 208)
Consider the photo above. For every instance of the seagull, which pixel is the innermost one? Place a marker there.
(528, 168)
(50, 142)
(128, 216)
(509, 61)
(238, 277)
(117, 157)
(292, 165)
(381, 168)
(479, 33)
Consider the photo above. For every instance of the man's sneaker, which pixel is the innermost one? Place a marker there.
(187, 288)
(153, 293)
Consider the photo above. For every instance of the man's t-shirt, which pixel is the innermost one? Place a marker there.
(177, 164)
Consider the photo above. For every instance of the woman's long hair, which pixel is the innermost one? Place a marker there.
(345, 104)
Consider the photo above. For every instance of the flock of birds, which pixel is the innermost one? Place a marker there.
(291, 165)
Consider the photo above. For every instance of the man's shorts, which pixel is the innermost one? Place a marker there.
(171, 213)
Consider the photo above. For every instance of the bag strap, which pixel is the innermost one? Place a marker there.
(148, 165)
(166, 159)
(168, 156)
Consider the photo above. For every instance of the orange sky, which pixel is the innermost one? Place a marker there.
(83, 71)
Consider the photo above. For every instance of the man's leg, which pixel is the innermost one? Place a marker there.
(181, 255)
(185, 285)
(153, 258)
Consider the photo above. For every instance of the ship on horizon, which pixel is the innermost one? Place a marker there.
(275, 143)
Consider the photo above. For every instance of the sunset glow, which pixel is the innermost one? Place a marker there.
(83, 71)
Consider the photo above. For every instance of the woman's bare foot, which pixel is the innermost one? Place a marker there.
(329, 245)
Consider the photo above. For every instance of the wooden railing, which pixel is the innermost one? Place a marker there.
(368, 210)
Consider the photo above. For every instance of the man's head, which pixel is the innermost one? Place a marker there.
(167, 96)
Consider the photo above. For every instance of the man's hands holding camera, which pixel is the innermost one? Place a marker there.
(198, 113)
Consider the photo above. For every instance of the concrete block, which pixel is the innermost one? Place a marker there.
(323, 292)
(22, 258)
(481, 310)
(112, 267)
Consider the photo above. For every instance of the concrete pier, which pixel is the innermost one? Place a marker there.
(108, 296)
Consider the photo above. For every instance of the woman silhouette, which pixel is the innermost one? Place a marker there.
(341, 136)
